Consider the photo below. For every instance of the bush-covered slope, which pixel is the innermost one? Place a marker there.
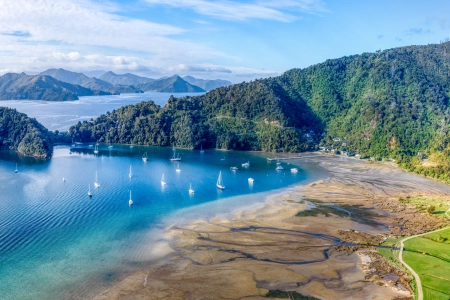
(24, 135)
(391, 103)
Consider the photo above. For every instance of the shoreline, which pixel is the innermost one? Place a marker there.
(266, 247)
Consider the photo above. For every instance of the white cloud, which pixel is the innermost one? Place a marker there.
(279, 10)
(62, 31)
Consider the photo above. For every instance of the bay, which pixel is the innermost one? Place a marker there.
(58, 243)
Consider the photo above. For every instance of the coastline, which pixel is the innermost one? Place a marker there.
(266, 247)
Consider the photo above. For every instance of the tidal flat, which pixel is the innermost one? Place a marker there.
(328, 253)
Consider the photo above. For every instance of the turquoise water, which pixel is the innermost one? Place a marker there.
(57, 243)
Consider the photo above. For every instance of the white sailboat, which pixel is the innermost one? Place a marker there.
(110, 146)
(234, 168)
(178, 168)
(174, 156)
(96, 184)
(130, 174)
(246, 165)
(191, 191)
(201, 149)
(64, 179)
(96, 149)
(219, 183)
(144, 157)
(163, 182)
(131, 146)
(130, 202)
(251, 180)
(89, 191)
(294, 170)
(73, 144)
(16, 170)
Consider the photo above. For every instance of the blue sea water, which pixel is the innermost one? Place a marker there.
(57, 243)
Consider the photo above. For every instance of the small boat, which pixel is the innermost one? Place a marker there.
(294, 170)
(131, 146)
(64, 179)
(219, 183)
(201, 149)
(16, 170)
(96, 144)
(96, 184)
(234, 168)
(246, 165)
(90, 146)
(130, 174)
(191, 191)
(96, 149)
(110, 146)
(89, 191)
(73, 144)
(163, 182)
(178, 168)
(174, 156)
(279, 168)
(144, 157)
(250, 180)
(78, 143)
(130, 202)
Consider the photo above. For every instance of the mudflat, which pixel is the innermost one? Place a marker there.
(317, 240)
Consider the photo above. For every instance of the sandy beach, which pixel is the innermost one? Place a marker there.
(316, 240)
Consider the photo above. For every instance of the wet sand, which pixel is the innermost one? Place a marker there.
(267, 247)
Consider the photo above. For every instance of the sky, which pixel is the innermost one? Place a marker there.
(226, 39)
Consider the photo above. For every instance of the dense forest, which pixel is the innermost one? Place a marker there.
(24, 135)
(388, 104)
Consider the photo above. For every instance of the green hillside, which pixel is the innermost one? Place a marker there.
(388, 104)
(24, 135)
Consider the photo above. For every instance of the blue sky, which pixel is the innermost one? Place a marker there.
(234, 40)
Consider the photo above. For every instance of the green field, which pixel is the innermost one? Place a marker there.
(429, 256)
(422, 203)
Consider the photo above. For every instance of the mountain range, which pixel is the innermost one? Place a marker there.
(14, 86)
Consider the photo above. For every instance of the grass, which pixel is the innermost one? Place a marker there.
(422, 203)
(391, 241)
(429, 256)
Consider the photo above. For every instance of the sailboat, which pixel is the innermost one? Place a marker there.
(110, 146)
(130, 174)
(279, 167)
(131, 146)
(16, 170)
(64, 179)
(178, 168)
(96, 184)
(144, 157)
(73, 144)
(201, 149)
(191, 191)
(174, 156)
(219, 183)
(163, 182)
(246, 165)
(130, 202)
(96, 149)
(89, 191)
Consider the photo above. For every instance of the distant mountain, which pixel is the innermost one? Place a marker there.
(95, 73)
(41, 87)
(173, 84)
(125, 79)
(89, 82)
(207, 85)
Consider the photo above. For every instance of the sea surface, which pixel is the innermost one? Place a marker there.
(56, 242)
(60, 115)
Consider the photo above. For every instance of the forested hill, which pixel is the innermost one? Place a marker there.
(24, 135)
(391, 103)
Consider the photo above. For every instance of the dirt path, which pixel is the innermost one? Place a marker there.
(400, 256)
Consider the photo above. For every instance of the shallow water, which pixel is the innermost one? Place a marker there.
(56, 242)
